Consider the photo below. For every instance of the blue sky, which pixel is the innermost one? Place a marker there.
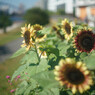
(27, 3)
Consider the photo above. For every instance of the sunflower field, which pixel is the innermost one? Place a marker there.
(57, 60)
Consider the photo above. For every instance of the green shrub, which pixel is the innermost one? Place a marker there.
(4, 21)
(61, 12)
(36, 16)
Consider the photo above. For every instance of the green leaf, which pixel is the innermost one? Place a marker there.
(53, 61)
(83, 55)
(52, 57)
(46, 79)
(30, 57)
(19, 52)
(70, 52)
(93, 92)
(19, 71)
(46, 30)
(33, 69)
(52, 50)
(63, 46)
(90, 61)
(66, 92)
(43, 65)
(31, 87)
(52, 91)
(22, 87)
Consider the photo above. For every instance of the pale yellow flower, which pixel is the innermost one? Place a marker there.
(27, 33)
(67, 29)
(38, 37)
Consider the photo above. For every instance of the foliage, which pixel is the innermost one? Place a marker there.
(51, 12)
(37, 69)
(37, 16)
(61, 11)
(4, 21)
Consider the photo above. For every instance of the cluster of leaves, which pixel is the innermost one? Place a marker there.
(4, 20)
(40, 79)
(36, 15)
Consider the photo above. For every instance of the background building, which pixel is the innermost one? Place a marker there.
(85, 10)
(66, 5)
(55, 5)
(41, 4)
(52, 5)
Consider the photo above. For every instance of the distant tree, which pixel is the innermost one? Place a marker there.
(4, 21)
(37, 16)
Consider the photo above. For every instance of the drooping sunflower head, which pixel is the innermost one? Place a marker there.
(27, 33)
(67, 29)
(37, 27)
(55, 28)
(39, 37)
(74, 75)
(84, 41)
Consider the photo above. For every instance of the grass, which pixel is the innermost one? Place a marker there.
(9, 36)
(7, 68)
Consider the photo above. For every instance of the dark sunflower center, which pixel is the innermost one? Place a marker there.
(55, 28)
(87, 43)
(27, 37)
(75, 76)
(68, 28)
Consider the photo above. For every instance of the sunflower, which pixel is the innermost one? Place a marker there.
(74, 75)
(67, 29)
(42, 54)
(84, 40)
(27, 33)
(38, 37)
(37, 27)
(57, 30)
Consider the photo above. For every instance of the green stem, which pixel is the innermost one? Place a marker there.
(37, 53)
(41, 54)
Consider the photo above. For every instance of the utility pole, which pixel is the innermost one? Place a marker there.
(74, 3)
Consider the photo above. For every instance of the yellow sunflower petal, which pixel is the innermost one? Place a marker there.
(61, 62)
(80, 89)
(74, 89)
(57, 68)
(79, 64)
(56, 78)
(86, 72)
(29, 26)
(56, 73)
(69, 60)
